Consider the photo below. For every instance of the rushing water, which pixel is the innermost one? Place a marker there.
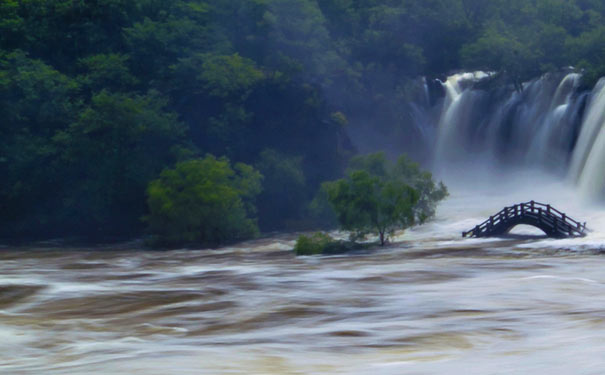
(432, 304)
(552, 126)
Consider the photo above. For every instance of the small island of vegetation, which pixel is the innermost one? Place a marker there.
(376, 197)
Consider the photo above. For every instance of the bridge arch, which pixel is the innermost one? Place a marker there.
(551, 221)
(526, 230)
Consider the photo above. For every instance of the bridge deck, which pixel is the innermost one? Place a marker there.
(550, 220)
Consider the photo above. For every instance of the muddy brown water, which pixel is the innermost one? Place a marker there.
(432, 304)
(486, 307)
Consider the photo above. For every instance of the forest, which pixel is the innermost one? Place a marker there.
(111, 109)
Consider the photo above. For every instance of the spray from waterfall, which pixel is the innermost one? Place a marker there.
(588, 161)
(551, 126)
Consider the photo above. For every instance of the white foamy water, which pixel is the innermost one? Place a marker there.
(551, 125)
(434, 303)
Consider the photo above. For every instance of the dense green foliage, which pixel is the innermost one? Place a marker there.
(203, 201)
(98, 97)
(322, 244)
(283, 197)
(405, 172)
(315, 244)
(380, 197)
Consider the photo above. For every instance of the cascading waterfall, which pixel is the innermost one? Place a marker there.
(551, 125)
(587, 168)
(531, 128)
(456, 119)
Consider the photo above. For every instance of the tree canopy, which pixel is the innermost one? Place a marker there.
(381, 197)
(97, 97)
(203, 201)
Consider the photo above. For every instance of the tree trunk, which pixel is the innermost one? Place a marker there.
(381, 232)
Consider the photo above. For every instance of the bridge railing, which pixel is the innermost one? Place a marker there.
(545, 213)
(532, 205)
(547, 210)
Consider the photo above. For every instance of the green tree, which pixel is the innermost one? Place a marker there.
(63, 31)
(589, 50)
(366, 203)
(430, 193)
(503, 49)
(284, 189)
(107, 71)
(110, 153)
(11, 25)
(36, 102)
(379, 196)
(169, 30)
(82, 86)
(212, 90)
(203, 201)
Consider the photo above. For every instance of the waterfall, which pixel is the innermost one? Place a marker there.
(550, 126)
(588, 161)
(456, 119)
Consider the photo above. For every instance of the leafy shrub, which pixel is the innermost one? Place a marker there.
(322, 244)
(203, 201)
(312, 245)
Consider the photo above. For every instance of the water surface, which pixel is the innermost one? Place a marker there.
(433, 303)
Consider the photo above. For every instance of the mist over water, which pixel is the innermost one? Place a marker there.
(551, 128)
(430, 303)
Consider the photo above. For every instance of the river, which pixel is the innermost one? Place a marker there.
(432, 303)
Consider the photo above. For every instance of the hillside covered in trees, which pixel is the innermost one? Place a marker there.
(98, 98)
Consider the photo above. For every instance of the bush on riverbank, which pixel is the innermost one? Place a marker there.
(322, 244)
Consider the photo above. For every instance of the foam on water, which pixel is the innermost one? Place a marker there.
(498, 306)
(433, 302)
